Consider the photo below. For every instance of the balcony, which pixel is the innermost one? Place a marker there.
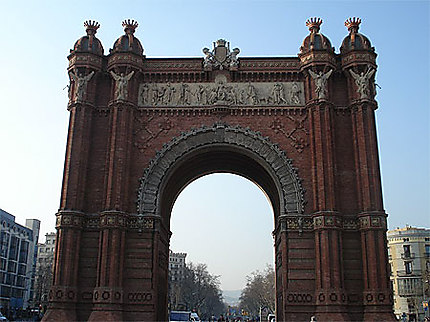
(406, 273)
(408, 255)
(410, 286)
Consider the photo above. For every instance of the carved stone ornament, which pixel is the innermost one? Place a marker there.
(285, 174)
(365, 84)
(80, 88)
(320, 81)
(298, 135)
(121, 84)
(147, 131)
(221, 57)
(221, 92)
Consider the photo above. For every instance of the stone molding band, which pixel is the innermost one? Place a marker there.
(297, 222)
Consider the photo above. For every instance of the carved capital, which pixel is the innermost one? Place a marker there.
(358, 57)
(315, 58)
(69, 219)
(85, 60)
(142, 222)
(372, 220)
(113, 219)
(327, 220)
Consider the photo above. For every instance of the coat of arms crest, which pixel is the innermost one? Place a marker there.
(221, 57)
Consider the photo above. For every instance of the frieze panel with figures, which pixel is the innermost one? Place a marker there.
(239, 94)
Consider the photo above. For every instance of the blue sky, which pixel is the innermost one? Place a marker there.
(36, 39)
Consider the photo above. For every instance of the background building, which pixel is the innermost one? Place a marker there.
(176, 276)
(17, 256)
(409, 256)
(176, 266)
(43, 276)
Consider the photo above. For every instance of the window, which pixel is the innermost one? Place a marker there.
(407, 250)
(11, 267)
(427, 248)
(23, 252)
(5, 291)
(20, 281)
(10, 279)
(13, 252)
(408, 267)
(22, 268)
(4, 243)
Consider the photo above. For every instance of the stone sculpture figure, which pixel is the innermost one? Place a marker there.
(143, 94)
(295, 93)
(169, 92)
(320, 80)
(252, 95)
(201, 95)
(121, 84)
(80, 84)
(278, 93)
(208, 57)
(185, 95)
(234, 61)
(362, 81)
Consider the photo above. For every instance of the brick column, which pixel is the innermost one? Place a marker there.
(377, 297)
(64, 291)
(118, 158)
(108, 294)
(329, 291)
(281, 268)
(63, 294)
(75, 164)
(329, 288)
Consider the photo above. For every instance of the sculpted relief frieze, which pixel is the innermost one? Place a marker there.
(221, 92)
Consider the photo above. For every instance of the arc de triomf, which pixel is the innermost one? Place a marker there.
(141, 129)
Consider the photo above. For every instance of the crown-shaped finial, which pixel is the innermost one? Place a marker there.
(352, 24)
(221, 42)
(314, 24)
(91, 26)
(129, 25)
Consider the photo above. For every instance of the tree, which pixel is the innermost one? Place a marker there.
(259, 292)
(198, 290)
(43, 280)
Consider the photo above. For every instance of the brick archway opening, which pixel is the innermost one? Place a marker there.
(219, 149)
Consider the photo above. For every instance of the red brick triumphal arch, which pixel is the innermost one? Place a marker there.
(141, 129)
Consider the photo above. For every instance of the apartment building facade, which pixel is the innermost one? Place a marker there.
(18, 247)
(409, 257)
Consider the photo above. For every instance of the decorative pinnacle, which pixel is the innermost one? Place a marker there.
(352, 24)
(129, 26)
(91, 26)
(314, 24)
